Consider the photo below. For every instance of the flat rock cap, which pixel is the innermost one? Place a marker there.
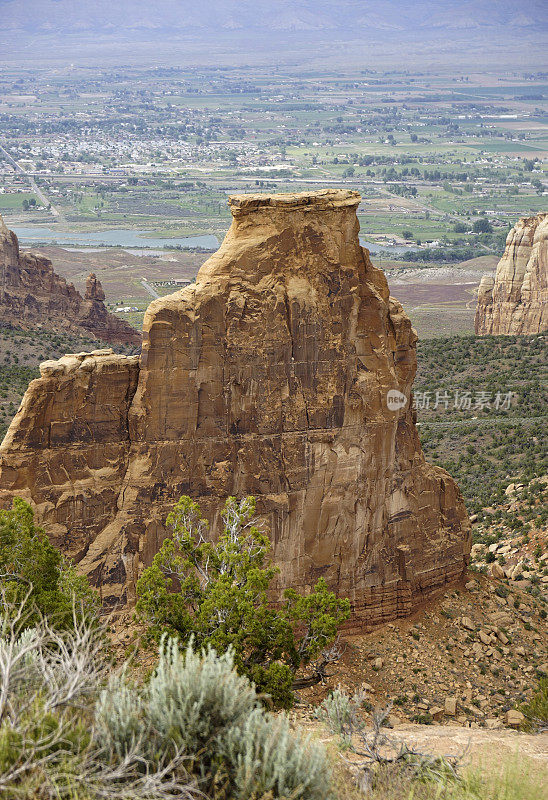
(322, 200)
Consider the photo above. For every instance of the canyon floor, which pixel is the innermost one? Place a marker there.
(504, 758)
(440, 299)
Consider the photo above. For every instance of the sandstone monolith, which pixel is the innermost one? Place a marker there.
(515, 299)
(271, 376)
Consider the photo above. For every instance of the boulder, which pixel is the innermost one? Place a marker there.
(502, 637)
(436, 712)
(516, 570)
(496, 571)
(450, 706)
(514, 718)
(485, 638)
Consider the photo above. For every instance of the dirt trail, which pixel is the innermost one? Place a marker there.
(481, 745)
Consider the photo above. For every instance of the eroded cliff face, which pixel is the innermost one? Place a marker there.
(31, 294)
(269, 376)
(66, 451)
(515, 300)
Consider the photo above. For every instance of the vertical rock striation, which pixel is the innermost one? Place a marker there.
(268, 376)
(515, 300)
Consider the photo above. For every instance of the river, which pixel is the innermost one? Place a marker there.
(116, 237)
(128, 238)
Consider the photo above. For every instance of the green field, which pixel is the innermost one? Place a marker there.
(14, 201)
(161, 151)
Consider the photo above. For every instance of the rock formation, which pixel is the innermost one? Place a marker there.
(94, 290)
(515, 300)
(284, 372)
(32, 294)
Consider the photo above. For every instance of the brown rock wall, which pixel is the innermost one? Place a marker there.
(66, 449)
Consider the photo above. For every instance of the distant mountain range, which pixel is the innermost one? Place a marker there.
(347, 16)
(95, 21)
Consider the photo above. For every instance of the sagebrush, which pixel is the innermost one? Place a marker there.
(195, 729)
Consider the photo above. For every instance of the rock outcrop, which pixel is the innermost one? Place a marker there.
(32, 294)
(94, 290)
(284, 372)
(515, 300)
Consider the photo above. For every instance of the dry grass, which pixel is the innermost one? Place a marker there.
(519, 779)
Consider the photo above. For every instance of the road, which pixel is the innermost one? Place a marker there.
(149, 289)
(33, 185)
(43, 199)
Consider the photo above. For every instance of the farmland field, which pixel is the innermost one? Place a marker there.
(160, 150)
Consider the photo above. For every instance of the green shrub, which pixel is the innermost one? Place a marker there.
(536, 710)
(216, 594)
(198, 710)
(423, 719)
(341, 713)
(195, 729)
(48, 680)
(270, 762)
(34, 572)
